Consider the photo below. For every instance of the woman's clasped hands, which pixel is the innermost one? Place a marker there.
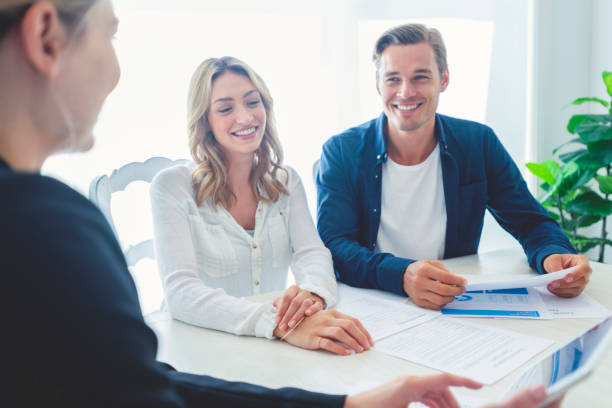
(302, 323)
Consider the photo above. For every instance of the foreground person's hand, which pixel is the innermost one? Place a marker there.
(530, 397)
(329, 330)
(432, 391)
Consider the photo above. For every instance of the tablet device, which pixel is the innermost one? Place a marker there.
(570, 364)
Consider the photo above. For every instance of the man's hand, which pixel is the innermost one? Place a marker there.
(429, 284)
(329, 330)
(574, 283)
(295, 304)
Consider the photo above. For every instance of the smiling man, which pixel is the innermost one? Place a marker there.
(402, 191)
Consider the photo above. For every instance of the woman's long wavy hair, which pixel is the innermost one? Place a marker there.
(210, 177)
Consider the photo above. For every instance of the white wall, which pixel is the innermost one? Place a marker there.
(572, 48)
(601, 47)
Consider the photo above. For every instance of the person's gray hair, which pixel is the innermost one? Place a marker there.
(71, 12)
(412, 34)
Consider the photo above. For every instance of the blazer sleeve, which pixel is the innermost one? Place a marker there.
(72, 321)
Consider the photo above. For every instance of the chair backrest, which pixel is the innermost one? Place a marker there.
(315, 170)
(102, 188)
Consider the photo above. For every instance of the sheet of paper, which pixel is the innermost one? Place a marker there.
(521, 303)
(491, 282)
(571, 308)
(382, 315)
(480, 352)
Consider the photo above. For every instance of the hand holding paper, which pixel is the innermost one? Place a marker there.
(429, 284)
(495, 282)
(573, 283)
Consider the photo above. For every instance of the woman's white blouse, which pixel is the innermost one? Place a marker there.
(208, 262)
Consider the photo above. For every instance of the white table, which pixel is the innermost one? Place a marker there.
(278, 364)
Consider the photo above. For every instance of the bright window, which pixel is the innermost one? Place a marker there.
(316, 60)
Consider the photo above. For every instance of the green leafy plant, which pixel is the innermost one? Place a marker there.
(571, 197)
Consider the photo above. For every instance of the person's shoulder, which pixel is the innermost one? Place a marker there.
(43, 216)
(176, 179)
(291, 178)
(355, 135)
(466, 135)
(37, 194)
(463, 126)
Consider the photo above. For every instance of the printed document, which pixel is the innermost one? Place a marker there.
(572, 308)
(480, 352)
(521, 303)
(490, 282)
(381, 315)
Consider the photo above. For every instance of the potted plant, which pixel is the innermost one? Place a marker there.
(570, 196)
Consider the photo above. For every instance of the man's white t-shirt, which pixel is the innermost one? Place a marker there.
(413, 210)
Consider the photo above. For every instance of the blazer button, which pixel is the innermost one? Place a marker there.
(374, 210)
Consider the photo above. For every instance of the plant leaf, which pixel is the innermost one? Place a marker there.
(607, 78)
(571, 156)
(585, 244)
(576, 120)
(590, 162)
(553, 215)
(591, 132)
(580, 101)
(576, 140)
(553, 167)
(543, 171)
(590, 204)
(601, 151)
(573, 177)
(605, 184)
(586, 220)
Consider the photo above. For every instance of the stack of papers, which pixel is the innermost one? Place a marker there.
(520, 296)
(481, 352)
(426, 337)
(522, 303)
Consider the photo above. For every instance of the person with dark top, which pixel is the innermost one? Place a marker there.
(73, 334)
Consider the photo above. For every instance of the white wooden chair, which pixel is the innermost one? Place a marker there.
(103, 187)
(315, 170)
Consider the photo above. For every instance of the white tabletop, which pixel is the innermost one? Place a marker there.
(276, 364)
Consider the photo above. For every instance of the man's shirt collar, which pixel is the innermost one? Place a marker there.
(381, 144)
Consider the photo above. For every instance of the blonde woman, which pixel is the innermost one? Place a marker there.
(231, 224)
